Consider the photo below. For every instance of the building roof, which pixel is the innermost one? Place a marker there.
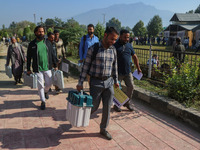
(196, 28)
(185, 17)
(188, 27)
(180, 27)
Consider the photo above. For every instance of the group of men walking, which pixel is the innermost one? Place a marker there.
(43, 55)
(106, 62)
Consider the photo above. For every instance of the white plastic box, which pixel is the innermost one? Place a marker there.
(57, 77)
(78, 116)
(30, 80)
(8, 70)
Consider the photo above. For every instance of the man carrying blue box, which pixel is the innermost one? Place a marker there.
(101, 65)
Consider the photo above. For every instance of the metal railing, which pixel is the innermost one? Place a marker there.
(164, 58)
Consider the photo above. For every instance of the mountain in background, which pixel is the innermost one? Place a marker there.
(127, 14)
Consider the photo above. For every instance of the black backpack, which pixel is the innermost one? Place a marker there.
(95, 51)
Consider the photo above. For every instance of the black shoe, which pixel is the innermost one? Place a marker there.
(117, 109)
(20, 81)
(43, 106)
(129, 106)
(105, 134)
(46, 95)
(15, 83)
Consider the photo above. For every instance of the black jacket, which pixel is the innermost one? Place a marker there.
(32, 54)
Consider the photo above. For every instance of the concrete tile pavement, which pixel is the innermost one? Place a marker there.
(24, 126)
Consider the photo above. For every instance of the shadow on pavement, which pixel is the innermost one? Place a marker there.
(57, 115)
(6, 93)
(3, 57)
(2, 71)
(40, 137)
(10, 85)
(17, 104)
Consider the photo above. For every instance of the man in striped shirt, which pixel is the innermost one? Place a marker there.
(101, 65)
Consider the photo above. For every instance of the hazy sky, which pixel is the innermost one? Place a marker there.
(12, 10)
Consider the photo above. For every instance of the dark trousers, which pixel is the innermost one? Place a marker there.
(102, 90)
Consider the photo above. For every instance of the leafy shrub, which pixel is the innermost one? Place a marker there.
(183, 85)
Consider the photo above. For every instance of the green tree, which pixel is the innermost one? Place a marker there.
(24, 24)
(13, 25)
(190, 12)
(5, 34)
(114, 23)
(84, 27)
(31, 36)
(99, 31)
(49, 30)
(27, 32)
(20, 32)
(71, 36)
(32, 26)
(50, 22)
(71, 23)
(154, 26)
(58, 22)
(3, 27)
(139, 29)
(128, 28)
(197, 10)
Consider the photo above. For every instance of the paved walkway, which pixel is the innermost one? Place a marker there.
(24, 126)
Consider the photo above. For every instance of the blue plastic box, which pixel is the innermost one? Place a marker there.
(75, 98)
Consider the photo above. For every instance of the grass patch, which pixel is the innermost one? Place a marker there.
(152, 87)
(156, 47)
(148, 85)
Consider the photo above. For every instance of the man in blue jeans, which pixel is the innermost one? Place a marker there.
(101, 65)
(124, 53)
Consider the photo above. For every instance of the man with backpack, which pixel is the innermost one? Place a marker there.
(86, 42)
(101, 65)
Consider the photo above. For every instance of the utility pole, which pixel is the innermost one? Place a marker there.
(41, 20)
(34, 18)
